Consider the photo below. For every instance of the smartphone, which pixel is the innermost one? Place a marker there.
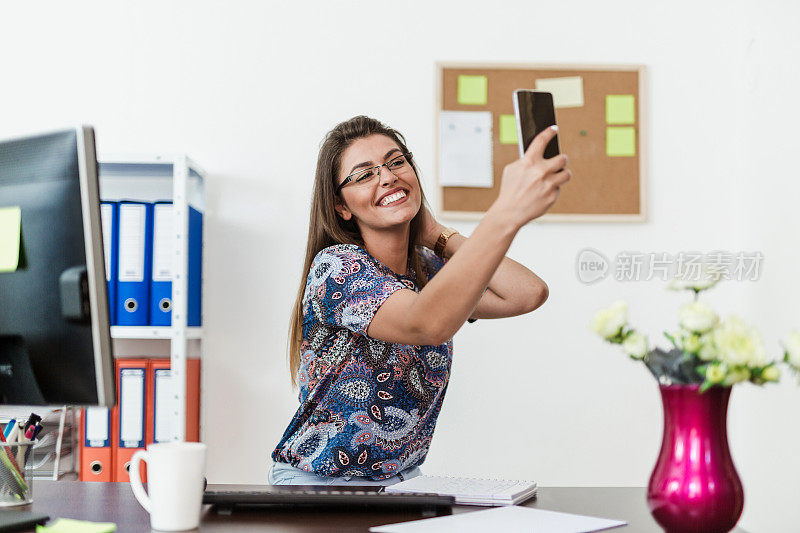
(535, 113)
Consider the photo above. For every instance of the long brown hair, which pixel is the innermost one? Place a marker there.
(325, 228)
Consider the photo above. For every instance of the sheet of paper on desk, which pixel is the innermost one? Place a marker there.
(465, 149)
(511, 519)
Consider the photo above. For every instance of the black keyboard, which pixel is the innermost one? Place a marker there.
(349, 497)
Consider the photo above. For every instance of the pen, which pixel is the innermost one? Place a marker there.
(12, 436)
(18, 437)
(34, 431)
(9, 427)
(32, 421)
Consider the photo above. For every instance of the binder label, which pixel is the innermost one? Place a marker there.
(132, 218)
(105, 217)
(164, 410)
(131, 410)
(97, 426)
(163, 242)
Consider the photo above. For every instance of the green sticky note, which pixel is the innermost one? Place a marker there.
(508, 129)
(67, 525)
(473, 90)
(620, 142)
(10, 223)
(620, 109)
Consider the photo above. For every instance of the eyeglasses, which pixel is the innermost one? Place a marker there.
(396, 165)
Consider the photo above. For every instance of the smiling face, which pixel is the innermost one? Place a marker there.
(386, 202)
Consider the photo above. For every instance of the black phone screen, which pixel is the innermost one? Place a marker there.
(535, 112)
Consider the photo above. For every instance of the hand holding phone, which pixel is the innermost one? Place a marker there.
(530, 185)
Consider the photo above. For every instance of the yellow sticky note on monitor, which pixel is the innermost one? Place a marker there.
(620, 109)
(473, 90)
(620, 141)
(508, 129)
(10, 226)
(567, 91)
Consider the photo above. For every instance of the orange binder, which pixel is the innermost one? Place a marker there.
(128, 419)
(160, 397)
(96, 451)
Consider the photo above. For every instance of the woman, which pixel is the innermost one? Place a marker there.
(384, 289)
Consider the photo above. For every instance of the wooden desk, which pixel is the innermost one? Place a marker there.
(114, 502)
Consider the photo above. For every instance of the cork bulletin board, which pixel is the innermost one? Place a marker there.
(600, 114)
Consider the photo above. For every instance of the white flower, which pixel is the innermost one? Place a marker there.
(716, 373)
(700, 344)
(737, 376)
(698, 279)
(687, 341)
(771, 373)
(635, 345)
(707, 350)
(697, 317)
(792, 346)
(609, 322)
(739, 344)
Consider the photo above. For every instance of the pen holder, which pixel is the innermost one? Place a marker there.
(15, 474)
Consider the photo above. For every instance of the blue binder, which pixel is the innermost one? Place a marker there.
(134, 263)
(163, 255)
(109, 213)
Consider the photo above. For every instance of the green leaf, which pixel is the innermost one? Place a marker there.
(671, 339)
(706, 385)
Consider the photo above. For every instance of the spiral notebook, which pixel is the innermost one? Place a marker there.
(470, 491)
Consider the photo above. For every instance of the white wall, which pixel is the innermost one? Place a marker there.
(248, 89)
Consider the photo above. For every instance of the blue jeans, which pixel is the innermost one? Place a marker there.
(286, 474)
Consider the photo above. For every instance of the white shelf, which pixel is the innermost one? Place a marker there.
(151, 332)
(151, 178)
(138, 165)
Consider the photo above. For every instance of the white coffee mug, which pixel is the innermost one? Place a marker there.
(175, 480)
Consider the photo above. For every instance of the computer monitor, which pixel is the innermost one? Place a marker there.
(55, 343)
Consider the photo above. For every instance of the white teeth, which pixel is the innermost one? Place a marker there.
(393, 198)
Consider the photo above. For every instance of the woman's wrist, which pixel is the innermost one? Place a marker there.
(433, 235)
(500, 217)
(452, 244)
(443, 241)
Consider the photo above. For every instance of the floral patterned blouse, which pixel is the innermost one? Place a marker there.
(367, 407)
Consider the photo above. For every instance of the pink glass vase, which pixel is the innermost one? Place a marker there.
(694, 487)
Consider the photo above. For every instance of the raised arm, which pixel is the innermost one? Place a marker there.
(513, 290)
(529, 187)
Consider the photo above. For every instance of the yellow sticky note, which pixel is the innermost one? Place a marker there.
(567, 91)
(68, 525)
(620, 109)
(10, 224)
(620, 142)
(508, 129)
(473, 90)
